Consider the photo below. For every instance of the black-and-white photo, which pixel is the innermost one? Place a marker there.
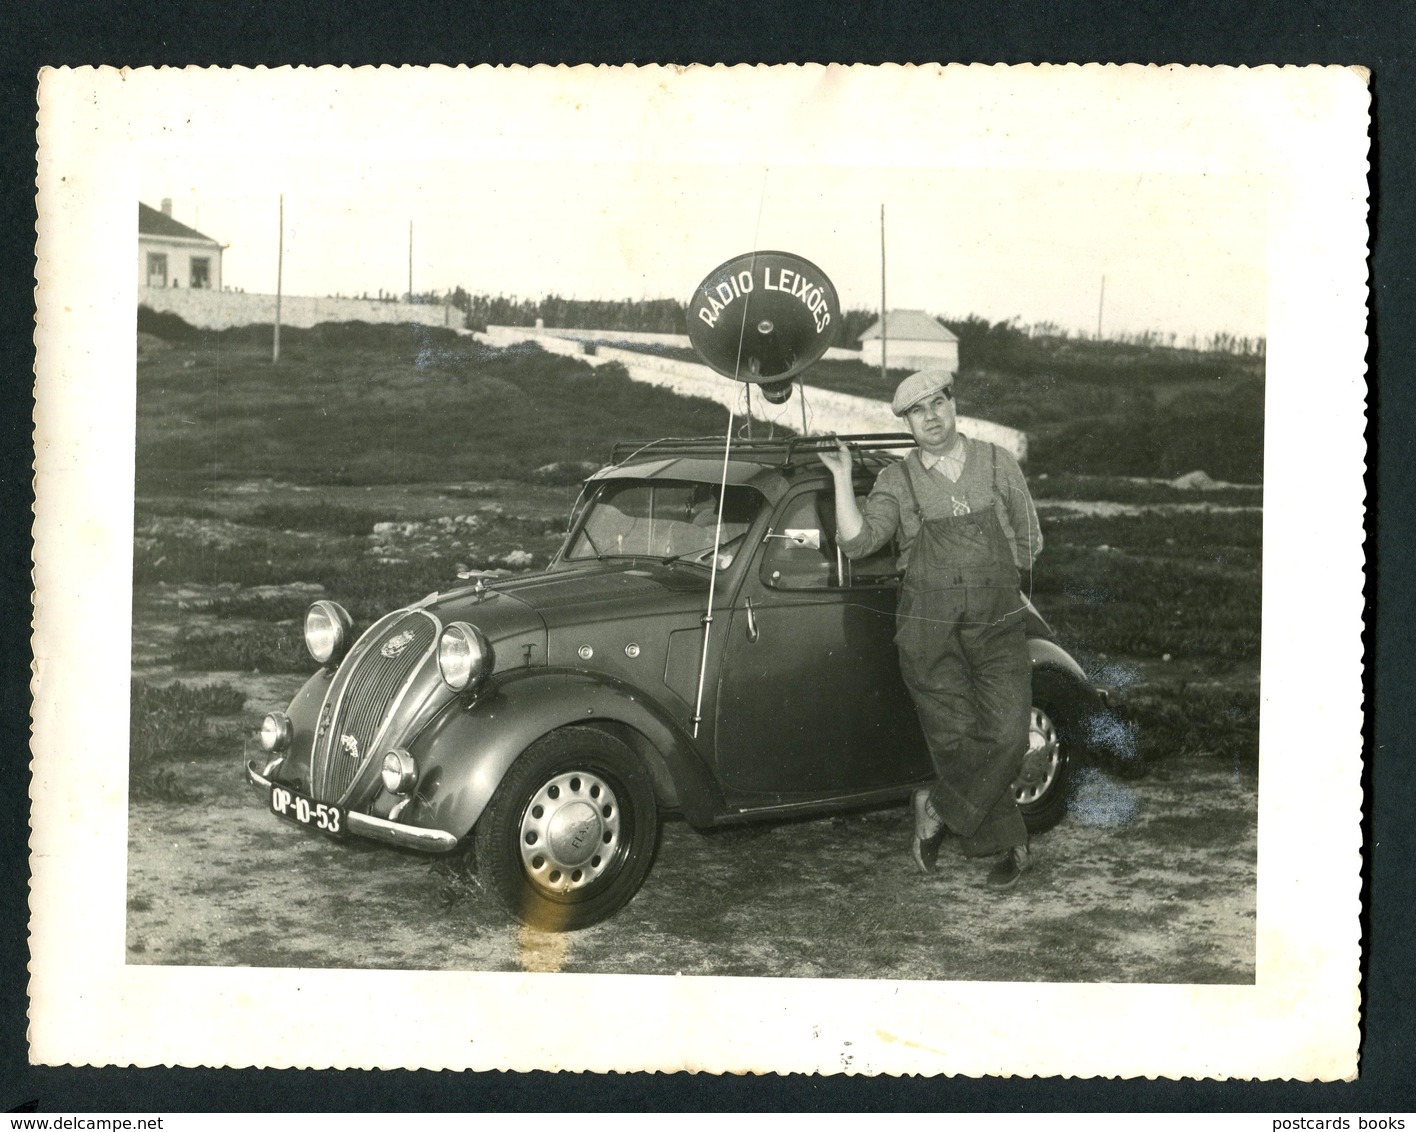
(839, 560)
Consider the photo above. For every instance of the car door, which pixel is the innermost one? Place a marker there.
(810, 700)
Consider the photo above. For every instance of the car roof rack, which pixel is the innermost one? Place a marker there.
(764, 451)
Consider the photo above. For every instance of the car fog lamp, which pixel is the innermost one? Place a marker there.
(400, 771)
(464, 656)
(277, 731)
(327, 628)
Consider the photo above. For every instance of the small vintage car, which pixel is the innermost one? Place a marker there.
(698, 646)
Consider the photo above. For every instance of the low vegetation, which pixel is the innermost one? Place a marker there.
(1139, 408)
(357, 419)
(424, 406)
(174, 722)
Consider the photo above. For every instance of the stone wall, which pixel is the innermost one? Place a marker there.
(219, 310)
(834, 354)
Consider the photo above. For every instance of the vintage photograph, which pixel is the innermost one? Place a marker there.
(457, 553)
(835, 564)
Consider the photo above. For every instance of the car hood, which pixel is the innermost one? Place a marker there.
(571, 597)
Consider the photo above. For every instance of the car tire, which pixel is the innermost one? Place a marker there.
(570, 833)
(1042, 783)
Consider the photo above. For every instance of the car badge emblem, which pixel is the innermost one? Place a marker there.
(350, 745)
(324, 719)
(395, 645)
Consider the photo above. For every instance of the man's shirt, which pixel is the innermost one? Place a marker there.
(889, 511)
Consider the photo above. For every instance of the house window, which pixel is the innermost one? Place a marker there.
(157, 269)
(201, 272)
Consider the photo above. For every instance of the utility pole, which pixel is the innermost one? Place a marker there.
(279, 271)
(884, 337)
(1100, 305)
(410, 261)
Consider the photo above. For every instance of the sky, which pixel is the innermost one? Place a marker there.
(1180, 253)
(567, 196)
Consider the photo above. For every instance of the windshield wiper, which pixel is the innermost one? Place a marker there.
(704, 550)
(586, 532)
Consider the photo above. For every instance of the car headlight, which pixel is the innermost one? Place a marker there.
(327, 628)
(464, 656)
(400, 772)
(277, 732)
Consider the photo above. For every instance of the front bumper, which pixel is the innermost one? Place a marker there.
(376, 829)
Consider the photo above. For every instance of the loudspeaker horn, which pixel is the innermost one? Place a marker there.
(764, 317)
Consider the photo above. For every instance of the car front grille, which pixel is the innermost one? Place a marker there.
(364, 695)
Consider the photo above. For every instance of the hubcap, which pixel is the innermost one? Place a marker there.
(1042, 762)
(570, 832)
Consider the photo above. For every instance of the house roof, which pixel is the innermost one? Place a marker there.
(911, 326)
(152, 222)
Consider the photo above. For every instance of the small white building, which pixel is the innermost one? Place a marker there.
(912, 340)
(172, 255)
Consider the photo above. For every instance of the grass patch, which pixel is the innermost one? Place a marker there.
(314, 516)
(146, 509)
(1187, 584)
(1118, 489)
(368, 573)
(260, 648)
(171, 722)
(262, 607)
(1090, 408)
(393, 411)
(205, 552)
(1234, 538)
(1187, 720)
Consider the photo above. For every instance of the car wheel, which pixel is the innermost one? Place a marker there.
(571, 831)
(1041, 785)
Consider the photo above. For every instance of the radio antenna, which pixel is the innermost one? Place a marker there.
(723, 479)
(884, 329)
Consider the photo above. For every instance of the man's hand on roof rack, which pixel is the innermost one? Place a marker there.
(839, 461)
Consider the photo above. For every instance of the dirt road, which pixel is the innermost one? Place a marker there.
(1144, 881)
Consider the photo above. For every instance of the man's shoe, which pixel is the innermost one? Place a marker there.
(928, 832)
(1009, 868)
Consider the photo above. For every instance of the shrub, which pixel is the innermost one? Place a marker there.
(1198, 720)
(172, 722)
(314, 516)
(265, 648)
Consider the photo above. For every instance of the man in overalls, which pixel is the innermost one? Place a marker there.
(967, 531)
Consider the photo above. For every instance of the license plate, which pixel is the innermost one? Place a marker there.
(294, 806)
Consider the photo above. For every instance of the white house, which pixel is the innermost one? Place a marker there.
(172, 255)
(912, 340)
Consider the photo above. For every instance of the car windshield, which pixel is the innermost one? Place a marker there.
(662, 519)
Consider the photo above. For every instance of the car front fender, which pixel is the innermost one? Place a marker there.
(304, 713)
(1047, 654)
(469, 748)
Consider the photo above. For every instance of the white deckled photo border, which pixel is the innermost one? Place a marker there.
(1303, 129)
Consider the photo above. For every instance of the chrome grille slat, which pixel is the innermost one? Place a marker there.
(363, 698)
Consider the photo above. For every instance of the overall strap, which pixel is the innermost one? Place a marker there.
(909, 483)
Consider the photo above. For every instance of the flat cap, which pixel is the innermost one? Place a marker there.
(918, 386)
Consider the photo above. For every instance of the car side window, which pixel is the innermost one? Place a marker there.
(878, 569)
(800, 552)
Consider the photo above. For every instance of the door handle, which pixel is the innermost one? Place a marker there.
(752, 632)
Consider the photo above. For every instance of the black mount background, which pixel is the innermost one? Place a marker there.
(1380, 35)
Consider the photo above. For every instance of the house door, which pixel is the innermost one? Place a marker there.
(157, 269)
